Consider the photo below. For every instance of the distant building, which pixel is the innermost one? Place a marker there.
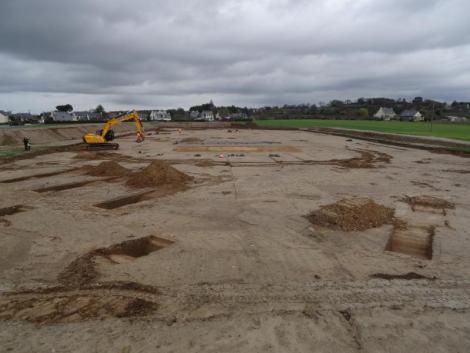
(4, 117)
(456, 119)
(24, 118)
(87, 116)
(411, 115)
(207, 115)
(160, 115)
(238, 116)
(193, 114)
(63, 116)
(385, 114)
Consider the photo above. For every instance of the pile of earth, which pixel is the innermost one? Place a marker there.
(428, 201)
(159, 173)
(109, 168)
(353, 214)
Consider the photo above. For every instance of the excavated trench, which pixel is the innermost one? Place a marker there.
(82, 271)
(125, 200)
(410, 240)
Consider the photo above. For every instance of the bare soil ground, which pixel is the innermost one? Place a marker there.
(235, 241)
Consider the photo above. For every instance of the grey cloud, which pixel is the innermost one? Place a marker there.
(177, 53)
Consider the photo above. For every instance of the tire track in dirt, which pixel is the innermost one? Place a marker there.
(325, 295)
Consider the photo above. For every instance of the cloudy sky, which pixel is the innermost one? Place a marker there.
(163, 54)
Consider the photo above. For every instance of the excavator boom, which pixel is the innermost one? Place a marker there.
(102, 138)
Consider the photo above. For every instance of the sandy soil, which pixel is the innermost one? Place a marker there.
(231, 260)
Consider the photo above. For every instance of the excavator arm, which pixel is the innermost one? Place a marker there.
(100, 140)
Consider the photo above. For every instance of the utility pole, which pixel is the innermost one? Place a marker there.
(432, 115)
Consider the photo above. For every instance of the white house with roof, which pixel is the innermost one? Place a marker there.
(63, 116)
(160, 115)
(207, 115)
(385, 114)
(4, 117)
(411, 115)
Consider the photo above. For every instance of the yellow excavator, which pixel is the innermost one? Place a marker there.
(100, 140)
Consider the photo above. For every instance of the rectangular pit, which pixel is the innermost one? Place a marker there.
(412, 240)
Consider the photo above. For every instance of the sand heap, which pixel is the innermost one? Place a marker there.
(158, 173)
(109, 168)
(353, 214)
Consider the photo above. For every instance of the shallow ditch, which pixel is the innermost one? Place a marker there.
(125, 200)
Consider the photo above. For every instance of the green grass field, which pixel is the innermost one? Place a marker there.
(452, 131)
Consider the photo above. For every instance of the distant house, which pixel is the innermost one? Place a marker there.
(4, 117)
(207, 115)
(63, 116)
(160, 115)
(87, 116)
(385, 114)
(456, 119)
(411, 115)
(238, 116)
(193, 114)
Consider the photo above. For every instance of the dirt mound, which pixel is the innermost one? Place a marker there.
(353, 214)
(79, 272)
(159, 173)
(109, 168)
(428, 201)
(73, 308)
(82, 271)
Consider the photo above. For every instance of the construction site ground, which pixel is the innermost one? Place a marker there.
(224, 240)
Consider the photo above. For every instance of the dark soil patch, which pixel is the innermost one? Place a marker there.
(159, 173)
(87, 155)
(458, 171)
(82, 271)
(8, 211)
(40, 152)
(367, 159)
(73, 308)
(353, 214)
(428, 201)
(406, 276)
(109, 168)
(8, 140)
(37, 176)
(191, 140)
(136, 247)
(126, 200)
(65, 186)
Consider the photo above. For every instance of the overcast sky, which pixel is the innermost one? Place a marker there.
(162, 54)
